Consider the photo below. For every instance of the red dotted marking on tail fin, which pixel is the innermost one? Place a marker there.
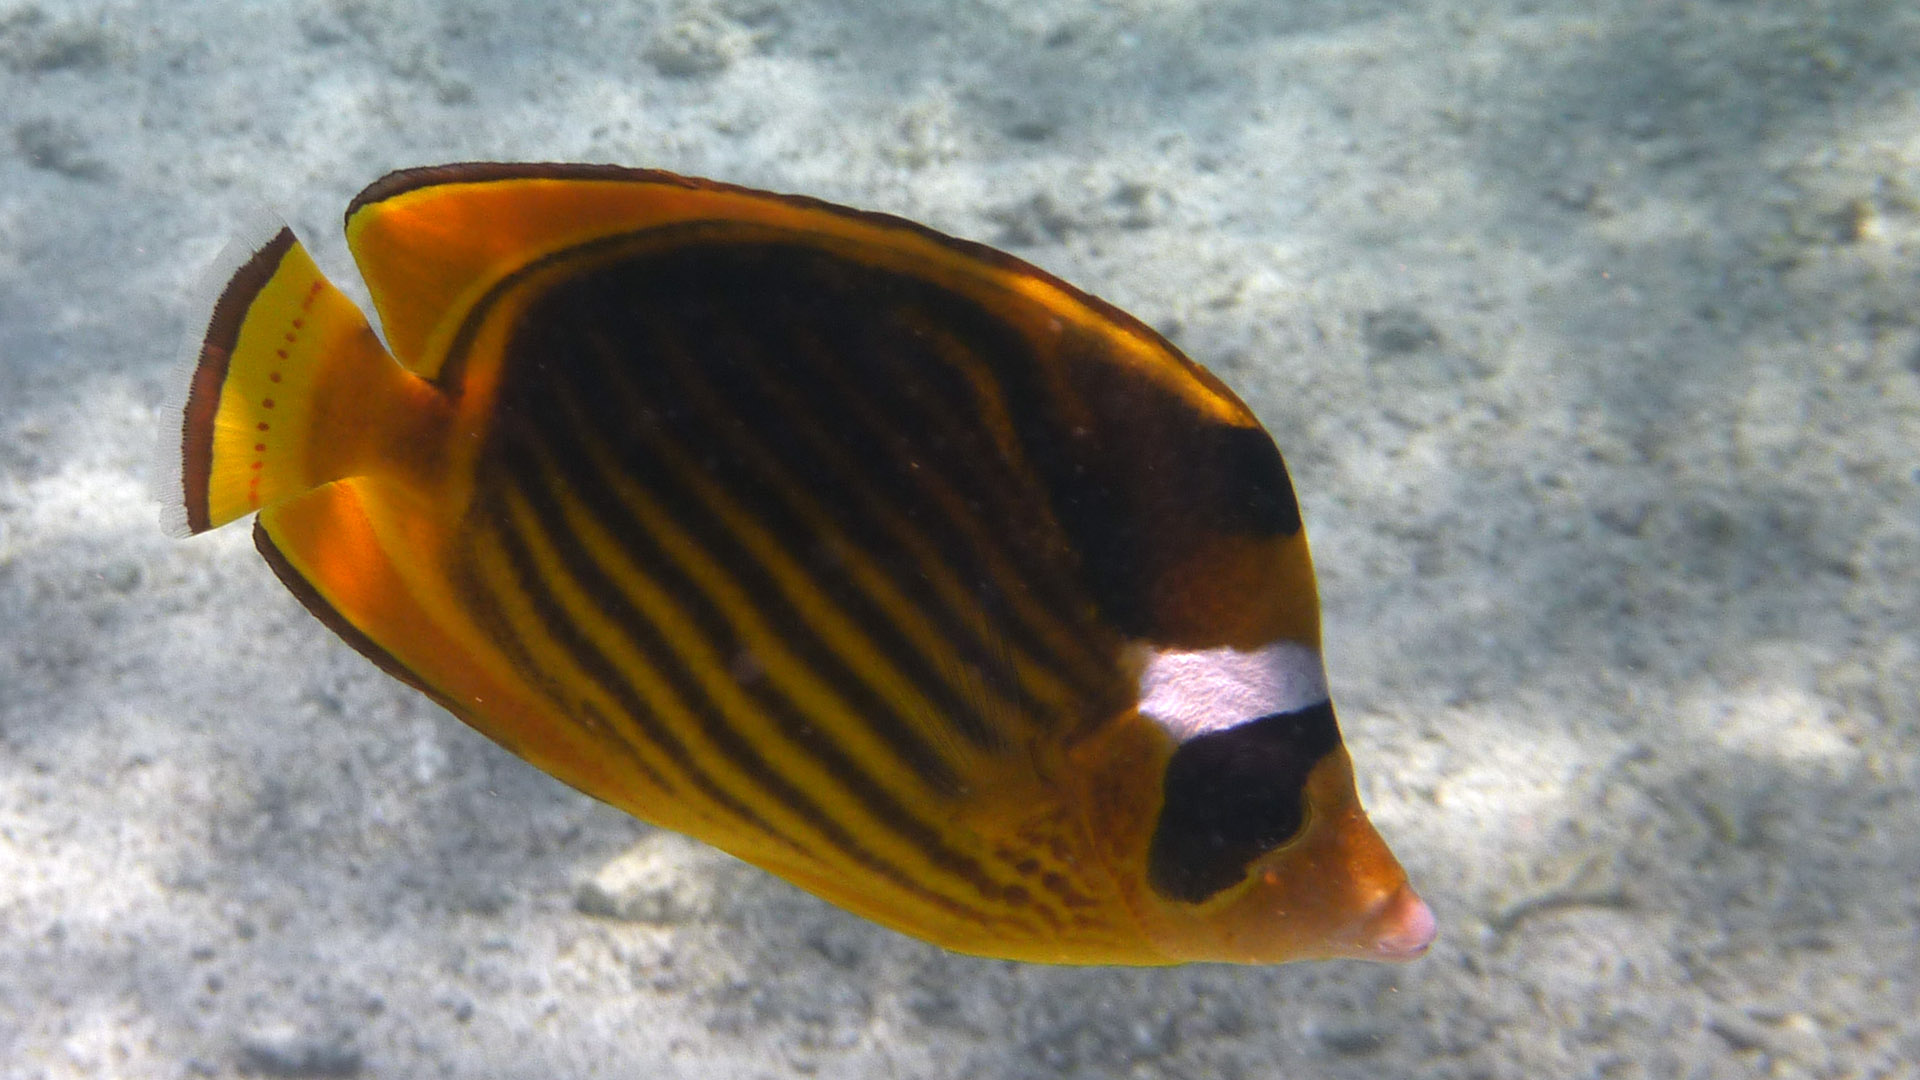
(292, 336)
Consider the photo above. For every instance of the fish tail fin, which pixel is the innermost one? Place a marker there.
(287, 390)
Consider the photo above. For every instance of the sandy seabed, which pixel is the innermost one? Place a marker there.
(1590, 333)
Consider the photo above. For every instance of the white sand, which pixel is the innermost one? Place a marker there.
(1589, 330)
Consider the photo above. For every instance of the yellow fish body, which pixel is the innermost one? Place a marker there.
(879, 559)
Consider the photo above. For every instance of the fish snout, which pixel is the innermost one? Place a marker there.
(1401, 926)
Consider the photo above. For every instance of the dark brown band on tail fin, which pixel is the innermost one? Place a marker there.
(210, 374)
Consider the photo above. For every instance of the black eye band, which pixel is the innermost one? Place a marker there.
(1232, 796)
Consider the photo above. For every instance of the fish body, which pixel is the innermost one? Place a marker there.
(879, 559)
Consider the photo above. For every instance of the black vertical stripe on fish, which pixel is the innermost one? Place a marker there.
(939, 514)
(664, 240)
(561, 453)
(1248, 465)
(849, 446)
(526, 441)
(486, 604)
(872, 347)
(577, 465)
(645, 464)
(483, 604)
(724, 435)
(1093, 513)
(550, 414)
(884, 361)
(816, 549)
(890, 487)
(517, 533)
(714, 726)
(988, 486)
(602, 672)
(771, 606)
(721, 639)
(1148, 478)
(774, 458)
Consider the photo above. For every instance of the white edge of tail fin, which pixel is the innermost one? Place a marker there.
(255, 227)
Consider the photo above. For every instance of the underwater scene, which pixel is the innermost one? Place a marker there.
(757, 539)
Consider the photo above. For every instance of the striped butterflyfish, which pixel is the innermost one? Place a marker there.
(880, 559)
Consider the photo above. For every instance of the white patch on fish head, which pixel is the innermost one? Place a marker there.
(1191, 692)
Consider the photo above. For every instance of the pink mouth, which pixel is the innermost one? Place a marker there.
(1403, 927)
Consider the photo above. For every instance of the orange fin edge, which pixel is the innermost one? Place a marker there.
(330, 617)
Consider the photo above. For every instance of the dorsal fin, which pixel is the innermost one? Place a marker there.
(431, 241)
